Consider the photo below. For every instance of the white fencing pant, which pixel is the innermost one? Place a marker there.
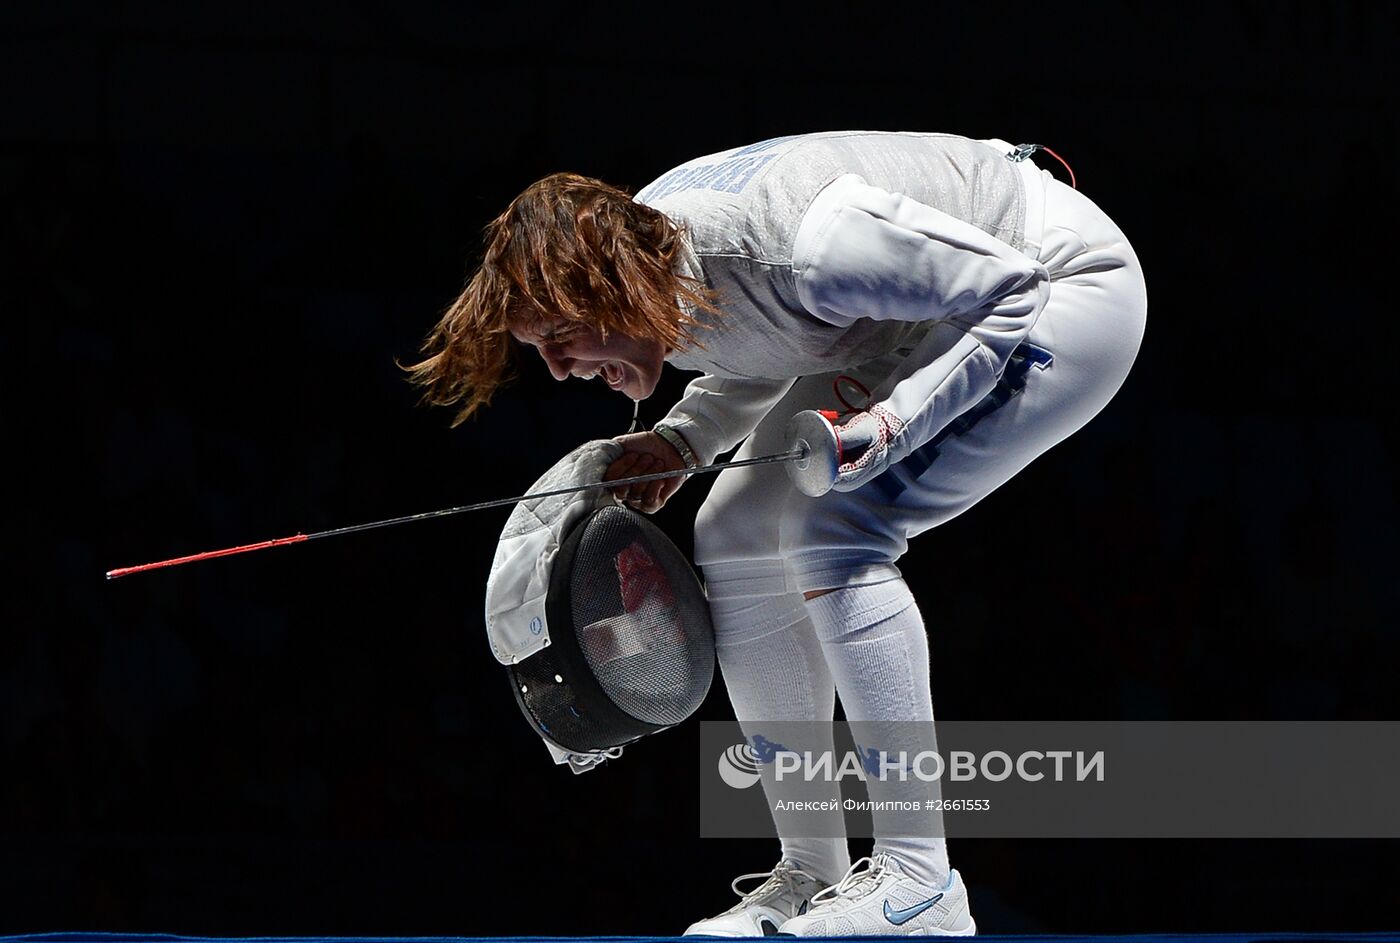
(756, 535)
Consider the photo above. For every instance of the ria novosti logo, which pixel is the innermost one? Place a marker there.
(738, 766)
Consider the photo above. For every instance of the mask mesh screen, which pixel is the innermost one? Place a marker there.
(641, 618)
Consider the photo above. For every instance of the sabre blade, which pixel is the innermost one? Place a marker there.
(788, 456)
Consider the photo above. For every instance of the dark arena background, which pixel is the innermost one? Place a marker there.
(223, 223)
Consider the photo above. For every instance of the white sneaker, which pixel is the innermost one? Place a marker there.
(879, 899)
(786, 892)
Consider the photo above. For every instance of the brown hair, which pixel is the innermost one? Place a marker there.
(569, 247)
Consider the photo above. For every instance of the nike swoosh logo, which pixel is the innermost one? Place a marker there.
(898, 917)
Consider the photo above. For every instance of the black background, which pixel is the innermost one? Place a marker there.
(220, 226)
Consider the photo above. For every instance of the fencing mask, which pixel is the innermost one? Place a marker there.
(599, 618)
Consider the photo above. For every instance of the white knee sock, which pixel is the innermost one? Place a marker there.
(774, 670)
(877, 652)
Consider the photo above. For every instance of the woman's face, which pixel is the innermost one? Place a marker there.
(626, 364)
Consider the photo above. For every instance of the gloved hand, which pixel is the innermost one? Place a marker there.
(864, 446)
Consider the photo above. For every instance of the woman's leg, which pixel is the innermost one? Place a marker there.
(775, 673)
(877, 650)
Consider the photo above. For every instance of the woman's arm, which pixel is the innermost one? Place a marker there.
(863, 252)
(715, 413)
(712, 417)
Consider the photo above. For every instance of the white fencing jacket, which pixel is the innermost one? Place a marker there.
(832, 249)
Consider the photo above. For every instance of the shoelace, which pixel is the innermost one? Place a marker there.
(853, 880)
(783, 876)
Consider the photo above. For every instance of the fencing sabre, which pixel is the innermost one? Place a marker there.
(800, 455)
